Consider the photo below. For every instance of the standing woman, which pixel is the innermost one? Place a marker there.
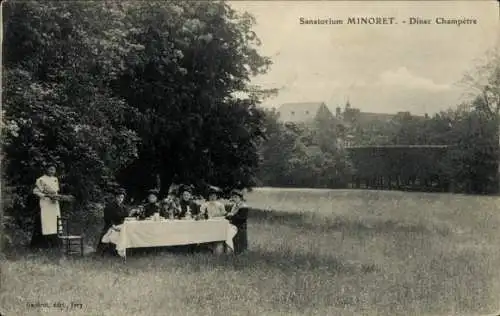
(238, 217)
(45, 228)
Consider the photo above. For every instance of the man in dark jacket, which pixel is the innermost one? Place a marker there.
(114, 214)
(237, 215)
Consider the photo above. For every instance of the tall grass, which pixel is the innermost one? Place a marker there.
(312, 252)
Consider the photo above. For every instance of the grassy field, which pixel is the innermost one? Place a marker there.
(313, 252)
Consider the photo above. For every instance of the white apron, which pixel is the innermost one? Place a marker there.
(49, 209)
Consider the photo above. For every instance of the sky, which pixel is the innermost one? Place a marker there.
(378, 68)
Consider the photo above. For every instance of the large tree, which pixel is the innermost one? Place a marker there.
(129, 88)
(484, 83)
(56, 105)
(197, 56)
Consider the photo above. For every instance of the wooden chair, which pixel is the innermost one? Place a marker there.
(69, 243)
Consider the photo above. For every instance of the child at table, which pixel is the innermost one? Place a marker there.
(212, 208)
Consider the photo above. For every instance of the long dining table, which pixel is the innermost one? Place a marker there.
(135, 233)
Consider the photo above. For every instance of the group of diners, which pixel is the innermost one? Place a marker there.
(179, 204)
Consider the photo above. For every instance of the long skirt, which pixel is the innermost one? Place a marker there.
(240, 240)
(105, 248)
(38, 240)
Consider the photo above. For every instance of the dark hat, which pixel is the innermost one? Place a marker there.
(120, 191)
(153, 191)
(237, 193)
(184, 188)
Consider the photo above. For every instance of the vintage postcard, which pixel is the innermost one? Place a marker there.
(250, 158)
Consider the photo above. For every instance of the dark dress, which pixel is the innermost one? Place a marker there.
(150, 209)
(114, 214)
(193, 207)
(239, 219)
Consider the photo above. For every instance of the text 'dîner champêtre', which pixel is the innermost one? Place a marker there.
(387, 21)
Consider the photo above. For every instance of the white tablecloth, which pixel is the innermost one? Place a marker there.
(149, 233)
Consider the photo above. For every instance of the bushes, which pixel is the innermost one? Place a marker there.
(302, 156)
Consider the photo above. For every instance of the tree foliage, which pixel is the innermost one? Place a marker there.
(469, 162)
(56, 107)
(121, 91)
(196, 56)
(298, 155)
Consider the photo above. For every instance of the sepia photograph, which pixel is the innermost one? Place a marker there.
(266, 158)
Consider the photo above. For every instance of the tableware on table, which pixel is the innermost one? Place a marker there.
(188, 214)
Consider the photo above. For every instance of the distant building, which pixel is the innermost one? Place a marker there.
(306, 112)
(311, 113)
(353, 127)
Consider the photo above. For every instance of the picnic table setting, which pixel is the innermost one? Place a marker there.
(177, 220)
(157, 231)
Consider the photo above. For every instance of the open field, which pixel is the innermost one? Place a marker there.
(313, 252)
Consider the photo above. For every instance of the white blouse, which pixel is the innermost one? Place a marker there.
(46, 185)
(213, 209)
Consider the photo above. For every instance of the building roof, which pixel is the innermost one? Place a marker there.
(299, 111)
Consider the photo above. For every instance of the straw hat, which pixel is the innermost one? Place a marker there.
(213, 189)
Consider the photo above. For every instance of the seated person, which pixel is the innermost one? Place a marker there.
(152, 205)
(174, 186)
(212, 207)
(114, 214)
(237, 215)
(170, 207)
(188, 208)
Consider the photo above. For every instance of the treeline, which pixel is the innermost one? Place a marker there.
(301, 156)
(468, 165)
(297, 155)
